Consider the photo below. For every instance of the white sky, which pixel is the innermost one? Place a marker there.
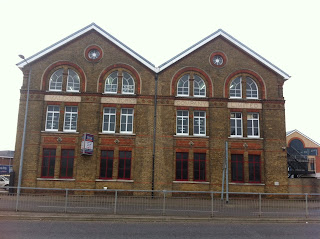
(285, 32)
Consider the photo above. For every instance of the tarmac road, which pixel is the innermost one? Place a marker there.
(16, 229)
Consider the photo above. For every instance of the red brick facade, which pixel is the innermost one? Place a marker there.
(191, 128)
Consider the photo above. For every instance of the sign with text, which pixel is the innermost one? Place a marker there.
(5, 169)
(87, 144)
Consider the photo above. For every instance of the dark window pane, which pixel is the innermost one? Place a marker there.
(106, 165)
(185, 174)
(199, 166)
(128, 163)
(254, 168)
(124, 169)
(181, 166)
(196, 175)
(66, 167)
(63, 172)
(120, 174)
(109, 172)
(127, 173)
(48, 162)
(202, 165)
(237, 167)
(121, 163)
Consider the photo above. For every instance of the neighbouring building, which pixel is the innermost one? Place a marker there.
(147, 127)
(6, 161)
(303, 156)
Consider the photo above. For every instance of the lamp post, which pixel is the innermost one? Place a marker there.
(23, 134)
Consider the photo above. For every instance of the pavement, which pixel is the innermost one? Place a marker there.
(12, 215)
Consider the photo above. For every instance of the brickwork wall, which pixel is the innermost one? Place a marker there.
(304, 185)
(91, 101)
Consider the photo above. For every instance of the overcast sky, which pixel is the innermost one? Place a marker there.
(287, 33)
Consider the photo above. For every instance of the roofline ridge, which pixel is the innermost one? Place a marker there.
(147, 63)
(299, 132)
(92, 26)
(221, 32)
(189, 48)
(255, 53)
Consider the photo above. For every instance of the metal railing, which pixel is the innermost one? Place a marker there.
(161, 203)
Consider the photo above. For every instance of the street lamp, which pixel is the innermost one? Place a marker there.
(23, 134)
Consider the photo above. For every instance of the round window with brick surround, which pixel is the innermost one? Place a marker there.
(93, 53)
(218, 59)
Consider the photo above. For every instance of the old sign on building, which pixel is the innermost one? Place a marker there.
(87, 144)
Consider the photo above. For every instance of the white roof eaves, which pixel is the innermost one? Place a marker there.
(297, 131)
(147, 63)
(82, 31)
(188, 50)
(220, 32)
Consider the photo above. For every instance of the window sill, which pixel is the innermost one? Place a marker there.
(118, 134)
(60, 132)
(191, 97)
(64, 92)
(190, 136)
(55, 179)
(248, 184)
(76, 92)
(246, 138)
(191, 182)
(55, 91)
(116, 180)
(118, 94)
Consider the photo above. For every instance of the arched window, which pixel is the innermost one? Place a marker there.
(55, 83)
(236, 88)
(199, 87)
(127, 83)
(191, 82)
(183, 86)
(73, 81)
(111, 85)
(244, 83)
(297, 144)
(251, 89)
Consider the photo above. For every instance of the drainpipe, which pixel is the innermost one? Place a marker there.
(154, 129)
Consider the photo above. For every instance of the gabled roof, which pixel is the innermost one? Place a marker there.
(222, 33)
(147, 63)
(297, 131)
(82, 31)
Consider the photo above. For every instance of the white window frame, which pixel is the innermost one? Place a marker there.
(196, 77)
(252, 123)
(73, 80)
(126, 116)
(71, 113)
(59, 78)
(236, 120)
(253, 83)
(186, 79)
(240, 83)
(53, 112)
(197, 116)
(181, 118)
(113, 79)
(108, 115)
(127, 79)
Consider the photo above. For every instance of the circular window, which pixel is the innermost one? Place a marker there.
(218, 59)
(93, 53)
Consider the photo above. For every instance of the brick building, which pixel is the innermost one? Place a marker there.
(162, 128)
(303, 155)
